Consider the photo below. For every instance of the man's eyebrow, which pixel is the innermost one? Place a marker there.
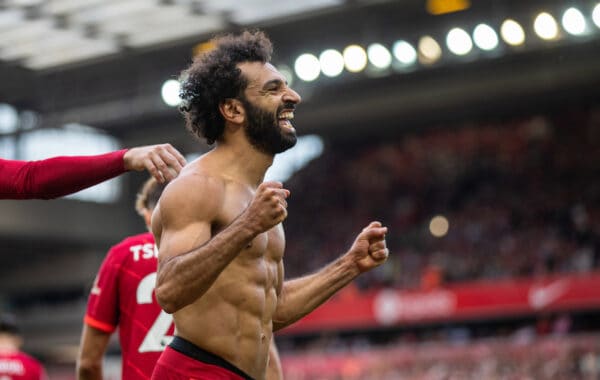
(274, 81)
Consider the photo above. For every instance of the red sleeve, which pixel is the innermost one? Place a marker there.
(58, 176)
(103, 303)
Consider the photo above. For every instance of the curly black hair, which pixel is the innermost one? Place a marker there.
(214, 77)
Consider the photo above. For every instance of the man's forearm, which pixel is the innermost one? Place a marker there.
(91, 352)
(302, 295)
(184, 278)
(91, 372)
(58, 176)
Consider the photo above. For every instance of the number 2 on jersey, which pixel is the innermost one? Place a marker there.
(156, 339)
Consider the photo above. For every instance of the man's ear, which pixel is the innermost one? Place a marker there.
(233, 111)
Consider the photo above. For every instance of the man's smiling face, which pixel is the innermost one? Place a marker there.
(269, 104)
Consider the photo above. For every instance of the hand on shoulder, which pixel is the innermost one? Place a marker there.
(162, 161)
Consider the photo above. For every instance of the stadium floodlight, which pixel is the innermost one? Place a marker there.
(574, 22)
(512, 33)
(596, 15)
(485, 37)
(332, 62)
(459, 42)
(307, 67)
(429, 50)
(545, 26)
(355, 58)
(170, 93)
(9, 118)
(404, 52)
(379, 56)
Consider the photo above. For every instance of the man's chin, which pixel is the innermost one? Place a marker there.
(288, 142)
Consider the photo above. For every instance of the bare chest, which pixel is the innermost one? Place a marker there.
(269, 245)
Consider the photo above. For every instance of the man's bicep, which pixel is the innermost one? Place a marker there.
(185, 219)
(184, 239)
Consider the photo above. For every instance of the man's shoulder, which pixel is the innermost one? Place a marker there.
(195, 188)
(197, 175)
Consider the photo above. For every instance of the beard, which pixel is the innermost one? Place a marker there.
(263, 130)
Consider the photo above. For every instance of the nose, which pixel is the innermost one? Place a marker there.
(291, 96)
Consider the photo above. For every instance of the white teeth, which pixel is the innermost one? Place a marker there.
(286, 115)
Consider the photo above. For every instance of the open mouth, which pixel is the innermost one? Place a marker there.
(284, 119)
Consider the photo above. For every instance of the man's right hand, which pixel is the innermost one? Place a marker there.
(268, 208)
(162, 161)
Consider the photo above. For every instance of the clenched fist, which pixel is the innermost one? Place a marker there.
(268, 208)
(369, 249)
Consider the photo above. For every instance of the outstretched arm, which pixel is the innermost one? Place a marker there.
(58, 176)
(190, 259)
(302, 295)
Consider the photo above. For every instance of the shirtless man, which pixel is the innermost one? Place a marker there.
(218, 225)
(122, 297)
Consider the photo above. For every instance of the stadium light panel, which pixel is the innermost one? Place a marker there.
(459, 42)
(596, 15)
(379, 56)
(404, 52)
(485, 37)
(307, 67)
(332, 62)
(545, 26)
(355, 58)
(170, 93)
(512, 33)
(429, 50)
(574, 22)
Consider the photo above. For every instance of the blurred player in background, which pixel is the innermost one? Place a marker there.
(15, 364)
(59, 176)
(123, 296)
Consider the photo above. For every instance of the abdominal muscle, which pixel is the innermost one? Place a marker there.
(233, 319)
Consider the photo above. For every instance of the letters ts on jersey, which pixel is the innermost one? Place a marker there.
(123, 296)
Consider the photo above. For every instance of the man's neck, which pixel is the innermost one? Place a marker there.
(8, 344)
(243, 162)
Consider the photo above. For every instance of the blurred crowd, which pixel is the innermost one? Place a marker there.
(522, 198)
(550, 358)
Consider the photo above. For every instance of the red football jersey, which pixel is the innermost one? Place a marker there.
(20, 366)
(123, 296)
